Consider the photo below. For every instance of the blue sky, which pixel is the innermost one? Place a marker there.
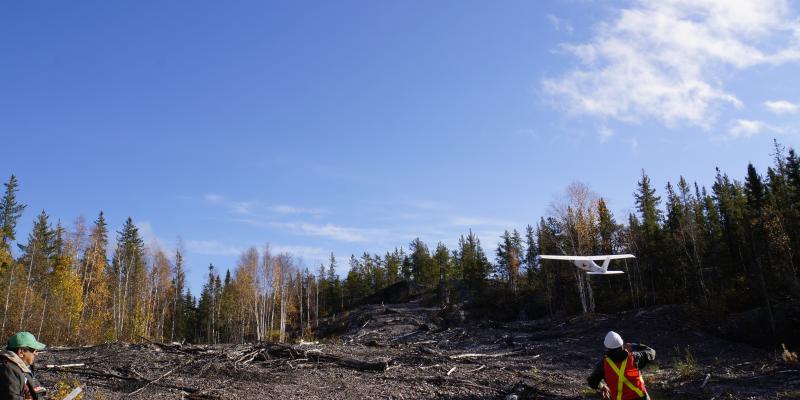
(356, 126)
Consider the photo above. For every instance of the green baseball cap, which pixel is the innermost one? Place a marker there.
(24, 339)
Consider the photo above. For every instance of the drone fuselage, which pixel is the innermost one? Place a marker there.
(588, 265)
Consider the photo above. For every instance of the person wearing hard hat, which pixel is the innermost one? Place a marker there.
(16, 377)
(620, 369)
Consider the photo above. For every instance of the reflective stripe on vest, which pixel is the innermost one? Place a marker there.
(622, 379)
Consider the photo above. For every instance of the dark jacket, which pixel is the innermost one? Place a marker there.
(641, 356)
(16, 378)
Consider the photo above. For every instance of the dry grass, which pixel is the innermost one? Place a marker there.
(686, 367)
(64, 386)
(789, 357)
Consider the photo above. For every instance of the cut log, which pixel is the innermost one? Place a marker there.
(475, 355)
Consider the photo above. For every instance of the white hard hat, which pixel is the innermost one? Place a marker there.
(613, 340)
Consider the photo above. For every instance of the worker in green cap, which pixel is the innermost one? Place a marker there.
(16, 377)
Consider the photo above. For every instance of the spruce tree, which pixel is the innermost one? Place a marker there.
(178, 326)
(606, 229)
(422, 263)
(509, 257)
(37, 255)
(441, 261)
(531, 255)
(37, 260)
(650, 244)
(393, 262)
(473, 262)
(96, 289)
(10, 211)
(756, 194)
(128, 274)
(406, 267)
(647, 204)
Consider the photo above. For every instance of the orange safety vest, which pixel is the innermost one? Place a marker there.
(624, 380)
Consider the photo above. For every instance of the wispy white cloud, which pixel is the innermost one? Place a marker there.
(236, 207)
(213, 248)
(310, 254)
(213, 198)
(743, 128)
(287, 209)
(781, 107)
(426, 205)
(218, 248)
(605, 133)
(666, 60)
(634, 143)
(528, 133)
(560, 24)
(147, 234)
(335, 232)
(475, 221)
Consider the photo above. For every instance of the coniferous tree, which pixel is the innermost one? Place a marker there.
(354, 281)
(649, 237)
(422, 269)
(472, 261)
(393, 264)
(509, 258)
(405, 268)
(128, 274)
(61, 291)
(336, 289)
(531, 256)
(10, 211)
(379, 278)
(322, 290)
(442, 263)
(93, 321)
(756, 194)
(606, 228)
(178, 320)
(37, 259)
(552, 274)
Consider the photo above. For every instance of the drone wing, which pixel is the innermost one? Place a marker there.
(568, 258)
(606, 273)
(610, 257)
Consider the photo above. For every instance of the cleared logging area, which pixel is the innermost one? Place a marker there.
(408, 351)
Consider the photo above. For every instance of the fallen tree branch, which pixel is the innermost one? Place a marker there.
(318, 355)
(477, 369)
(476, 355)
(93, 373)
(406, 335)
(158, 379)
(51, 366)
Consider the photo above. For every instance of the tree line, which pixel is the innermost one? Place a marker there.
(720, 249)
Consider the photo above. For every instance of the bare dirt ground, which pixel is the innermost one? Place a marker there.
(408, 351)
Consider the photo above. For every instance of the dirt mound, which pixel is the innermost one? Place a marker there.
(399, 292)
(754, 326)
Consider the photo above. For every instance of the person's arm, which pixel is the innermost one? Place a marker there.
(10, 384)
(596, 376)
(642, 355)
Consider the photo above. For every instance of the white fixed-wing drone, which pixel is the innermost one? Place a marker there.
(587, 263)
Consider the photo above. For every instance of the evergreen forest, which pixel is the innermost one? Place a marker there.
(720, 247)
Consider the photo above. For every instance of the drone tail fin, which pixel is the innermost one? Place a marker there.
(605, 264)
